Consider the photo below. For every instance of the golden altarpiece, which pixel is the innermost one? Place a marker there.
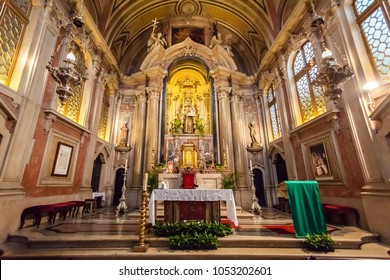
(188, 123)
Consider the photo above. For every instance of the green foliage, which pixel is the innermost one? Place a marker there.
(153, 179)
(196, 241)
(171, 229)
(200, 126)
(199, 235)
(176, 125)
(320, 242)
(230, 180)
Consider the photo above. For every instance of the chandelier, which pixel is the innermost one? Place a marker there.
(331, 74)
(66, 76)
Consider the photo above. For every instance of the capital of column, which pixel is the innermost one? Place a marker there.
(111, 79)
(140, 95)
(153, 92)
(236, 94)
(223, 92)
(266, 79)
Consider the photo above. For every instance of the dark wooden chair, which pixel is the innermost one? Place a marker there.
(188, 181)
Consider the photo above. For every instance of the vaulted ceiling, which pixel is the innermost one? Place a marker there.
(126, 25)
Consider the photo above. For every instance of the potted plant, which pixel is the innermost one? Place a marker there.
(322, 242)
(230, 180)
(200, 127)
(176, 126)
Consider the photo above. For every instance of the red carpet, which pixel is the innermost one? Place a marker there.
(289, 229)
(281, 229)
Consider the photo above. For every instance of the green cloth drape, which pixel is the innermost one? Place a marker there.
(306, 208)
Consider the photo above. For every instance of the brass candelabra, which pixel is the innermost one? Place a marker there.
(142, 246)
(256, 208)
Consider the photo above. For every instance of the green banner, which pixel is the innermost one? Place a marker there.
(306, 208)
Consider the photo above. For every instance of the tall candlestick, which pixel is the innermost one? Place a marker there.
(145, 182)
(250, 164)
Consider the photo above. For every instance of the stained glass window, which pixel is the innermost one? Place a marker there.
(311, 100)
(374, 20)
(274, 113)
(13, 21)
(102, 132)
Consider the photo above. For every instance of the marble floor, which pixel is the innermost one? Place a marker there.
(106, 235)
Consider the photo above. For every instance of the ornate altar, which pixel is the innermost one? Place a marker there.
(204, 204)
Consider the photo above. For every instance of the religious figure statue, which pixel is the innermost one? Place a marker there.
(189, 120)
(252, 133)
(124, 134)
(225, 43)
(216, 40)
(156, 40)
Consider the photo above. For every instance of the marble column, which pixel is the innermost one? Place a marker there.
(98, 92)
(138, 147)
(152, 128)
(239, 157)
(283, 103)
(225, 126)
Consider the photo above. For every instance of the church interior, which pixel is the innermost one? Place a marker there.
(112, 99)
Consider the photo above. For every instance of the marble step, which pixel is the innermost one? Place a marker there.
(351, 239)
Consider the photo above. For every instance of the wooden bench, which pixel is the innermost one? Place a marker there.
(63, 209)
(341, 212)
(36, 213)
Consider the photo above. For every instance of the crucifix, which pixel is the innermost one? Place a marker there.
(154, 24)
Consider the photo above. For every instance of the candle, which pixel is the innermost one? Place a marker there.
(126, 164)
(145, 182)
(223, 142)
(250, 164)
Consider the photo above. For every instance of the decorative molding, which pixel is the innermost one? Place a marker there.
(254, 150)
(54, 115)
(55, 14)
(328, 117)
(266, 79)
(49, 121)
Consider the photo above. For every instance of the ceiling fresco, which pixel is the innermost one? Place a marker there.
(252, 25)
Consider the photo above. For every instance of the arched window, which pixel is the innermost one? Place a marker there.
(273, 112)
(72, 107)
(374, 21)
(103, 121)
(311, 100)
(13, 20)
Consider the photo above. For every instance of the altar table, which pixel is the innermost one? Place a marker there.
(193, 195)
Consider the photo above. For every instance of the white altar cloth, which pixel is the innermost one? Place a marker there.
(193, 195)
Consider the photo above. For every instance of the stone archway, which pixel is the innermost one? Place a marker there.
(280, 167)
(259, 186)
(96, 172)
(118, 186)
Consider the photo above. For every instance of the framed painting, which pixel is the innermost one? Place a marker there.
(181, 33)
(320, 161)
(62, 160)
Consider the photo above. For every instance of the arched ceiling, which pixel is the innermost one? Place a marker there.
(126, 25)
